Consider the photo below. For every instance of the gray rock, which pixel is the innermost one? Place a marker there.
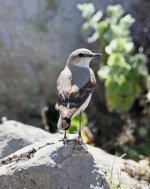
(15, 135)
(114, 167)
(52, 165)
(72, 166)
(47, 159)
(36, 38)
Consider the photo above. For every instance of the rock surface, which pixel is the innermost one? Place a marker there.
(52, 165)
(15, 135)
(115, 168)
(58, 166)
(47, 159)
(36, 38)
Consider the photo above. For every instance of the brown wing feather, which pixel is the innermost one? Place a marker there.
(75, 96)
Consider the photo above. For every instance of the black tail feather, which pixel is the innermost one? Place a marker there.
(63, 123)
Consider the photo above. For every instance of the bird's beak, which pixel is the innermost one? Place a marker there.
(96, 54)
(93, 55)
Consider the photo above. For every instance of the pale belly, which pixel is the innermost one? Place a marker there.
(83, 106)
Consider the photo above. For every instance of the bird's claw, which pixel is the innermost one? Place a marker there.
(80, 138)
(65, 141)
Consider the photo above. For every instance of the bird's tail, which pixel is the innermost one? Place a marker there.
(63, 123)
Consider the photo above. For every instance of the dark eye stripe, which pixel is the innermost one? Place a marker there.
(85, 55)
(81, 54)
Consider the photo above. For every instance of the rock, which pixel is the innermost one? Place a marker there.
(47, 159)
(41, 164)
(35, 40)
(15, 135)
(52, 165)
(117, 173)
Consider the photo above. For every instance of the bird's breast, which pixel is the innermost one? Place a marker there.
(80, 75)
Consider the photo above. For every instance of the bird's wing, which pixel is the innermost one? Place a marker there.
(70, 100)
(64, 83)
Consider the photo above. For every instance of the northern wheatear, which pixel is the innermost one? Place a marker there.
(75, 86)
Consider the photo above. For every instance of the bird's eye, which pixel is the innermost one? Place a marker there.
(81, 54)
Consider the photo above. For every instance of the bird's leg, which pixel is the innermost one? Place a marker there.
(80, 119)
(65, 138)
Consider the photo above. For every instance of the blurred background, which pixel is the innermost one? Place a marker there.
(36, 38)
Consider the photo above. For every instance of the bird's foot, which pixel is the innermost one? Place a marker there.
(78, 143)
(65, 141)
(80, 138)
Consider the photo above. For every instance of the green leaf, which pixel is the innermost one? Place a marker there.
(111, 86)
(138, 59)
(120, 45)
(86, 27)
(94, 37)
(119, 71)
(104, 72)
(119, 103)
(126, 21)
(87, 9)
(95, 18)
(119, 95)
(115, 10)
(117, 30)
(129, 47)
(116, 58)
(103, 26)
(125, 88)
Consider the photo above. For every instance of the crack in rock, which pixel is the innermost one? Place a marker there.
(21, 157)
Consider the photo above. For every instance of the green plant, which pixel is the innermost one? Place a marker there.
(75, 123)
(112, 182)
(123, 72)
(115, 176)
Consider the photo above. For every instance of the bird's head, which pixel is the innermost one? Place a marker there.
(81, 57)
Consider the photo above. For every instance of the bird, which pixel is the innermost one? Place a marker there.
(75, 86)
